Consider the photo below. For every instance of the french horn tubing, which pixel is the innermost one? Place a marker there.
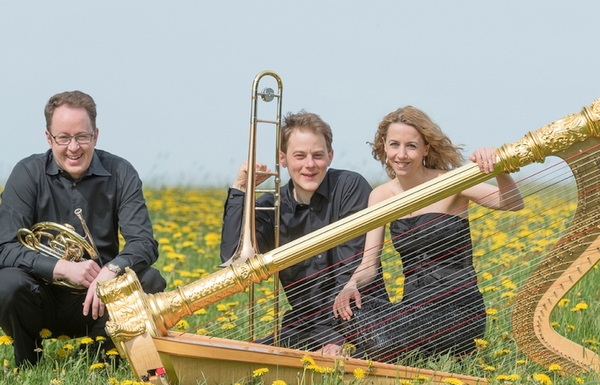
(60, 241)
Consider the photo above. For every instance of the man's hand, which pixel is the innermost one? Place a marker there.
(81, 273)
(261, 175)
(92, 301)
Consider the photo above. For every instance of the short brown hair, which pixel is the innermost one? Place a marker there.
(73, 99)
(305, 121)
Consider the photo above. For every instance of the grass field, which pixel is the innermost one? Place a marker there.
(507, 246)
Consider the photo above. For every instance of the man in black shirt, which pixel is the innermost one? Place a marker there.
(50, 187)
(315, 196)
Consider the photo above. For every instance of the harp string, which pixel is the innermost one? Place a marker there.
(540, 186)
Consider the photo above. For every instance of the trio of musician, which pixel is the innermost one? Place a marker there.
(343, 282)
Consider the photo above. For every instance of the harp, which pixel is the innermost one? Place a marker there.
(141, 324)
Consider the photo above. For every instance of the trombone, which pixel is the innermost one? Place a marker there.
(247, 247)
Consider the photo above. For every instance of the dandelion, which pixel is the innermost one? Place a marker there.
(542, 379)
(348, 349)
(579, 307)
(452, 381)
(202, 332)
(96, 366)
(200, 312)
(563, 302)
(481, 343)
(45, 333)
(307, 360)
(555, 368)
(359, 374)
(488, 368)
(500, 353)
(182, 325)
(405, 382)
(112, 352)
(6, 340)
(86, 341)
(491, 311)
(278, 382)
(259, 372)
(222, 308)
(227, 326)
(55, 381)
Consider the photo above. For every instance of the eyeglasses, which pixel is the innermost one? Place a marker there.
(64, 140)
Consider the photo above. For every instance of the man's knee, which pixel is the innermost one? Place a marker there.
(151, 280)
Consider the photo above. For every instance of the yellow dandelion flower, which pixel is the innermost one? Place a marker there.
(168, 268)
(221, 307)
(278, 382)
(86, 341)
(488, 368)
(563, 302)
(177, 282)
(227, 326)
(112, 352)
(452, 381)
(200, 312)
(421, 378)
(358, 373)
(580, 306)
(521, 362)
(55, 381)
(6, 340)
(45, 333)
(68, 347)
(267, 318)
(96, 366)
(307, 360)
(405, 382)
(570, 327)
(579, 380)
(259, 372)
(202, 332)
(113, 381)
(481, 343)
(487, 276)
(348, 349)
(491, 311)
(100, 338)
(182, 325)
(500, 353)
(542, 378)
(555, 368)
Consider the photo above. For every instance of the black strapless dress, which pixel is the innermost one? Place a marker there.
(441, 310)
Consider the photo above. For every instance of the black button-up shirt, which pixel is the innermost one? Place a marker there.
(311, 285)
(109, 194)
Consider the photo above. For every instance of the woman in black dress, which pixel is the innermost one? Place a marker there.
(442, 309)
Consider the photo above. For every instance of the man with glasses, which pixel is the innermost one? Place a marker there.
(50, 187)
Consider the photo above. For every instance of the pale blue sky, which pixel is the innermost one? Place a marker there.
(172, 80)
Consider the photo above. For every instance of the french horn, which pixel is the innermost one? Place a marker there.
(60, 241)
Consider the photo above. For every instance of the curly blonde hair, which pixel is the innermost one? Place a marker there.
(442, 155)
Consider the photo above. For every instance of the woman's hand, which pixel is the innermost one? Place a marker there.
(341, 306)
(485, 157)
